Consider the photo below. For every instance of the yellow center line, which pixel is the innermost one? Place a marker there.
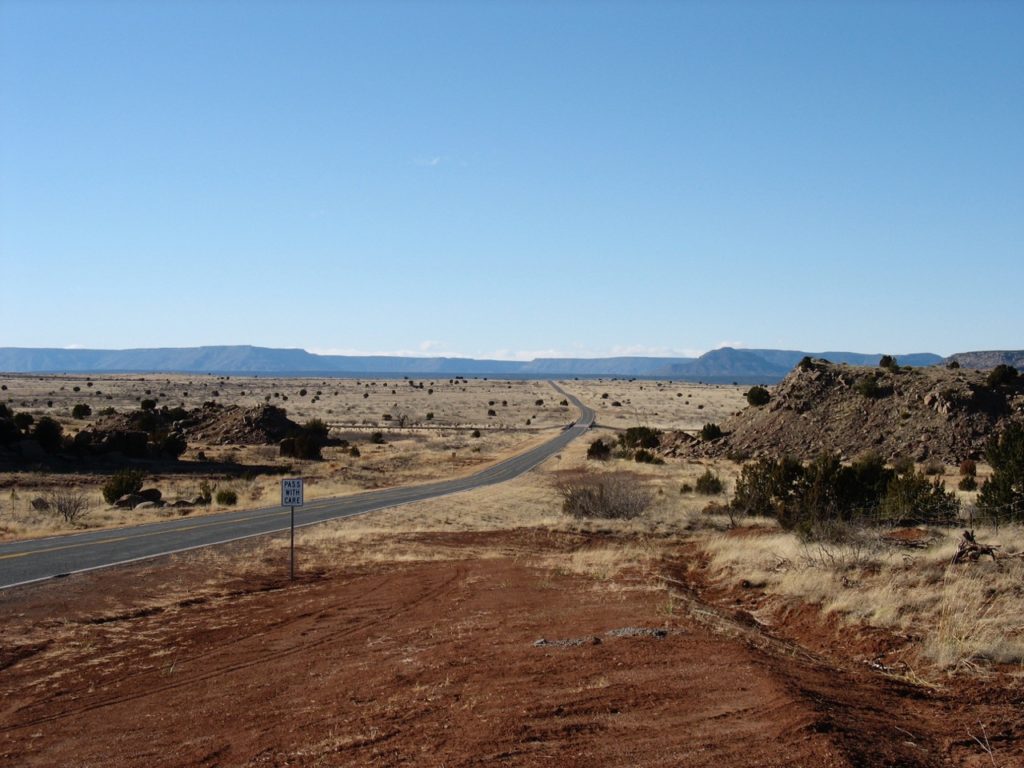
(115, 539)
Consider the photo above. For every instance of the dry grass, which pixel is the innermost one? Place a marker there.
(967, 615)
(660, 404)
(422, 451)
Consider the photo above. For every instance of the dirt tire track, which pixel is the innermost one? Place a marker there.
(249, 663)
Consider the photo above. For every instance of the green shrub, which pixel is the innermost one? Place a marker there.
(302, 446)
(429, 416)
(968, 483)
(122, 483)
(870, 388)
(709, 484)
(227, 497)
(914, 498)
(81, 411)
(172, 445)
(599, 450)
(150, 405)
(23, 421)
(354, 452)
(1002, 374)
(902, 464)
(953, 365)
(758, 396)
(710, 431)
(806, 497)
(377, 438)
(643, 456)
(475, 433)
(1002, 495)
(48, 433)
(640, 437)
(889, 362)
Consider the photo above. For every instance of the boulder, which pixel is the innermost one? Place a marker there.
(150, 494)
(129, 501)
(148, 505)
(39, 504)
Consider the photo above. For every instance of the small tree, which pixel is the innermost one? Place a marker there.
(1002, 495)
(709, 483)
(889, 362)
(1002, 374)
(599, 450)
(640, 437)
(710, 431)
(121, 484)
(758, 396)
(914, 497)
(48, 434)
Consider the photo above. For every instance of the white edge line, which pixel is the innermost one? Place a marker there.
(529, 468)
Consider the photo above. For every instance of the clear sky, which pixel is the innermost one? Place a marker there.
(512, 178)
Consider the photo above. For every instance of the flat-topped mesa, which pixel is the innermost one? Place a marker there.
(933, 413)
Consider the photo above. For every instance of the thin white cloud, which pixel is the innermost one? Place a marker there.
(432, 348)
(431, 161)
(733, 344)
(640, 350)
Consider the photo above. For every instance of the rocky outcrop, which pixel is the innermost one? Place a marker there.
(924, 413)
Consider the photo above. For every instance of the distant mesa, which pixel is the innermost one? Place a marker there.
(745, 366)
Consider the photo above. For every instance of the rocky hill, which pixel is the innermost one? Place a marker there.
(924, 413)
(989, 359)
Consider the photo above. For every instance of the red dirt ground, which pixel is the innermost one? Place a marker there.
(435, 664)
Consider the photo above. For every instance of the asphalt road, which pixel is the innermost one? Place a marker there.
(24, 562)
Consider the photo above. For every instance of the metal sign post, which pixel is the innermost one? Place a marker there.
(291, 496)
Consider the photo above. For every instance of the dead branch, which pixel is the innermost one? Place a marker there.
(970, 549)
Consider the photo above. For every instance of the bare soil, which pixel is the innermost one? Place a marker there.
(199, 660)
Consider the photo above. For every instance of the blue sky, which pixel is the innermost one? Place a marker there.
(513, 179)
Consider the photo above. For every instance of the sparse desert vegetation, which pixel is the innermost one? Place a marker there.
(724, 552)
(190, 437)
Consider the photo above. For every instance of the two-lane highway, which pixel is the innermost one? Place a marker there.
(24, 562)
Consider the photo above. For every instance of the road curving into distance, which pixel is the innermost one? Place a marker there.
(24, 562)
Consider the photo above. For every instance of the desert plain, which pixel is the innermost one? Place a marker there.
(492, 627)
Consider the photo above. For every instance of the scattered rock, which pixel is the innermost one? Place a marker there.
(930, 413)
(657, 632)
(570, 643)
